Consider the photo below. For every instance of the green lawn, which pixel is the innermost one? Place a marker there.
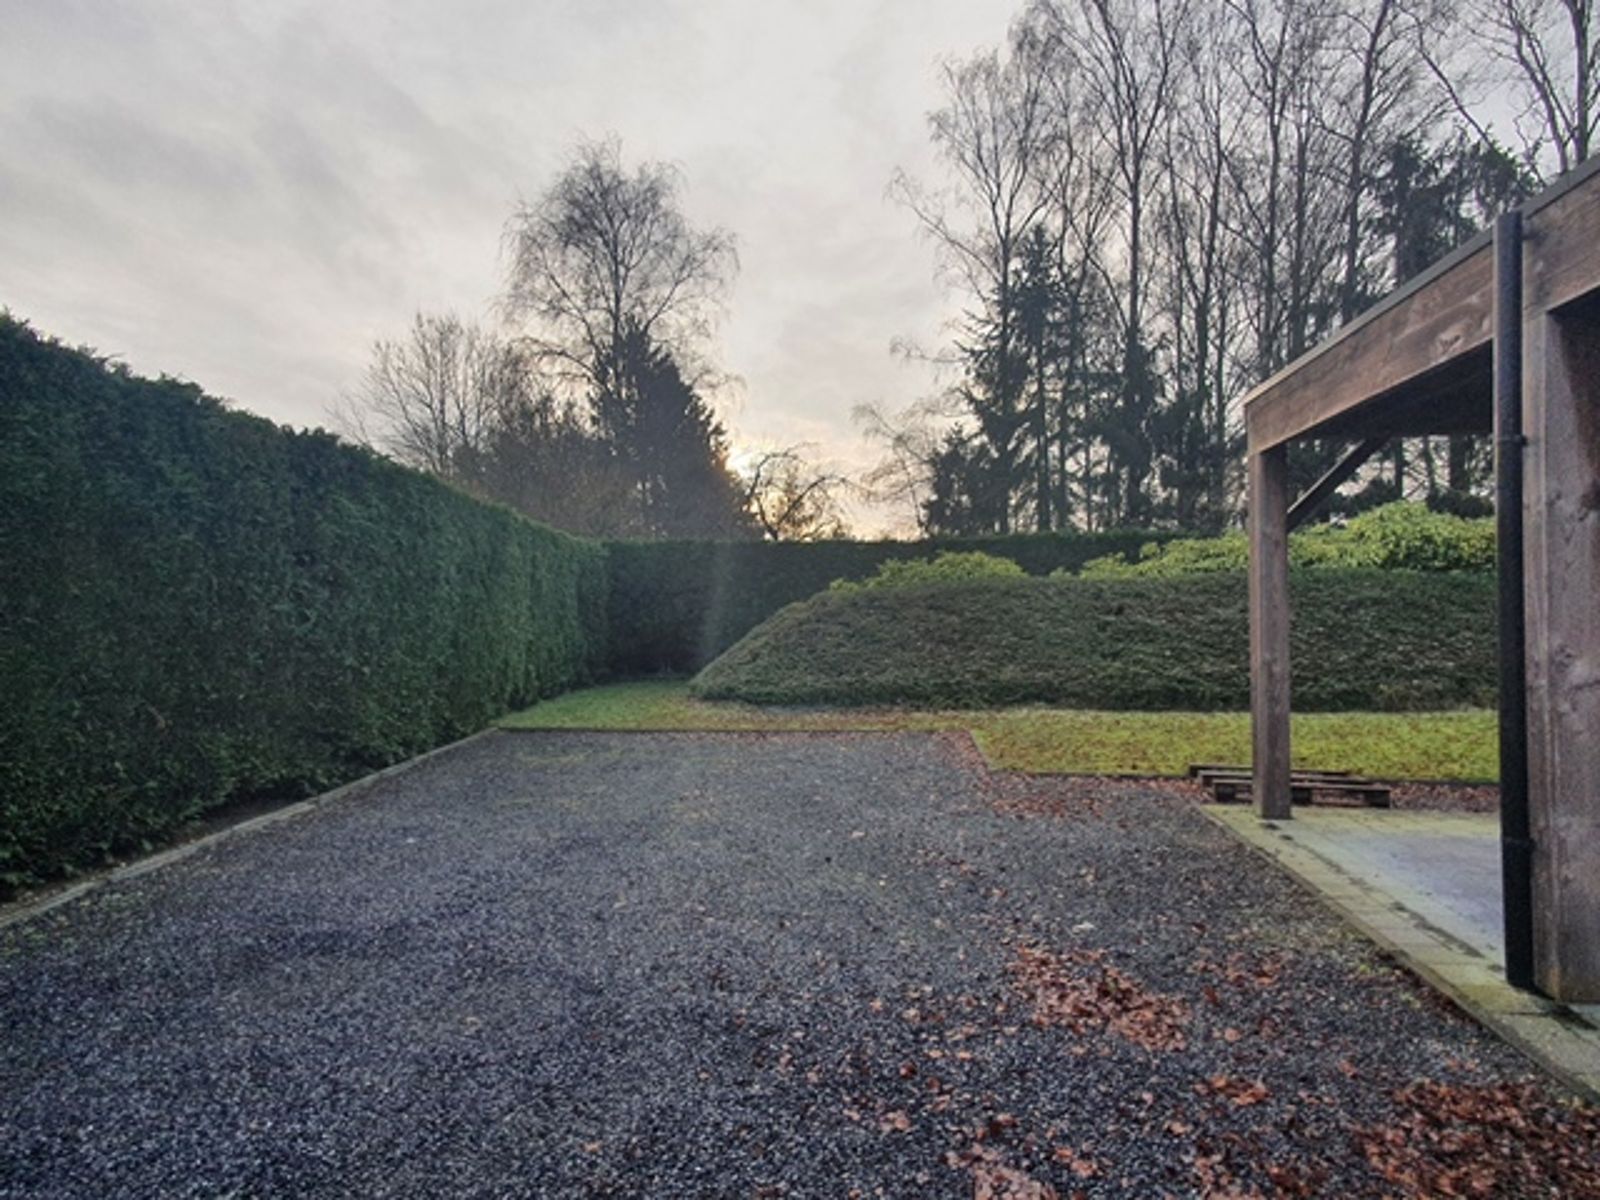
(1441, 745)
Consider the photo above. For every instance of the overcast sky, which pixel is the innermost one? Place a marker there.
(247, 195)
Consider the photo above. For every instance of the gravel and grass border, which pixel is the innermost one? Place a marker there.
(1459, 746)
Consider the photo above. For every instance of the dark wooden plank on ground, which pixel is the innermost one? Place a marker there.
(1231, 783)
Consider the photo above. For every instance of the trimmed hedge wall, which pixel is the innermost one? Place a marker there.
(197, 605)
(1360, 640)
(675, 606)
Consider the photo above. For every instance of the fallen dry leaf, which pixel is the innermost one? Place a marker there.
(1461, 1140)
(991, 1181)
(1079, 991)
(1080, 1165)
(1243, 1092)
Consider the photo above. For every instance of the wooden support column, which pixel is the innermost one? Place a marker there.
(1561, 524)
(1269, 629)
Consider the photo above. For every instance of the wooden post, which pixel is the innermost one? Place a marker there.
(1561, 529)
(1269, 630)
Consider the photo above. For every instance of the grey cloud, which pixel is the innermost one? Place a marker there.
(103, 145)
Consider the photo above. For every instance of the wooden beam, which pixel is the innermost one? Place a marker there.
(1428, 324)
(1561, 241)
(1269, 630)
(1456, 398)
(1303, 509)
(1561, 557)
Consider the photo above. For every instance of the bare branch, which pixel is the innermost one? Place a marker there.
(603, 252)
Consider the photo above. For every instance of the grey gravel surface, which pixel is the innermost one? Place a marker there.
(685, 965)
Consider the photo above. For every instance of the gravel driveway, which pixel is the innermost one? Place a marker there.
(741, 965)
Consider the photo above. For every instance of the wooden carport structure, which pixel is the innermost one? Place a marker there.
(1501, 336)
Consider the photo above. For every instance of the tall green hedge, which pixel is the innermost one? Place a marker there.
(197, 605)
(675, 606)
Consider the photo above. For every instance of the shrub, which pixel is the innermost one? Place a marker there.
(1399, 536)
(197, 605)
(1412, 537)
(948, 566)
(1359, 640)
(1182, 556)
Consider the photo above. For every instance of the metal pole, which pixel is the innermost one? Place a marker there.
(1516, 844)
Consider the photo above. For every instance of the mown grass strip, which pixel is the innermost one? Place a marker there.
(1437, 745)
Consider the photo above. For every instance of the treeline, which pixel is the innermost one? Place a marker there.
(638, 456)
(587, 409)
(1149, 206)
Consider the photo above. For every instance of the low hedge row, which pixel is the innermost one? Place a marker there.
(1403, 536)
(198, 605)
(675, 606)
(1360, 640)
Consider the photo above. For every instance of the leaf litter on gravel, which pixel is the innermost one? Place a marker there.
(1241, 1132)
(1079, 991)
(1485, 1140)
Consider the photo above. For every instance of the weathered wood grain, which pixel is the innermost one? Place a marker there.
(1269, 630)
(1561, 249)
(1423, 331)
(1561, 530)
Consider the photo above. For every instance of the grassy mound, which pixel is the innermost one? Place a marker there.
(1362, 640)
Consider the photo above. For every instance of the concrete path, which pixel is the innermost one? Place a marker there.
(1443, 866)
(735, 965)
(1427, 886)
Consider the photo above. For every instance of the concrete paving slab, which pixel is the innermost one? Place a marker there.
(1426, 887)
(1443, 866)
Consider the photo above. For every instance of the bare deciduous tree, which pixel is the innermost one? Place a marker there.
(995, 133)
(1200, 262)
(434, 398)
(1219, 184)
(1542, 55)
(1384, 100)
(605, 254)
(909, 440)
(1127, 53)
(793, 500)
(1552, 44)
